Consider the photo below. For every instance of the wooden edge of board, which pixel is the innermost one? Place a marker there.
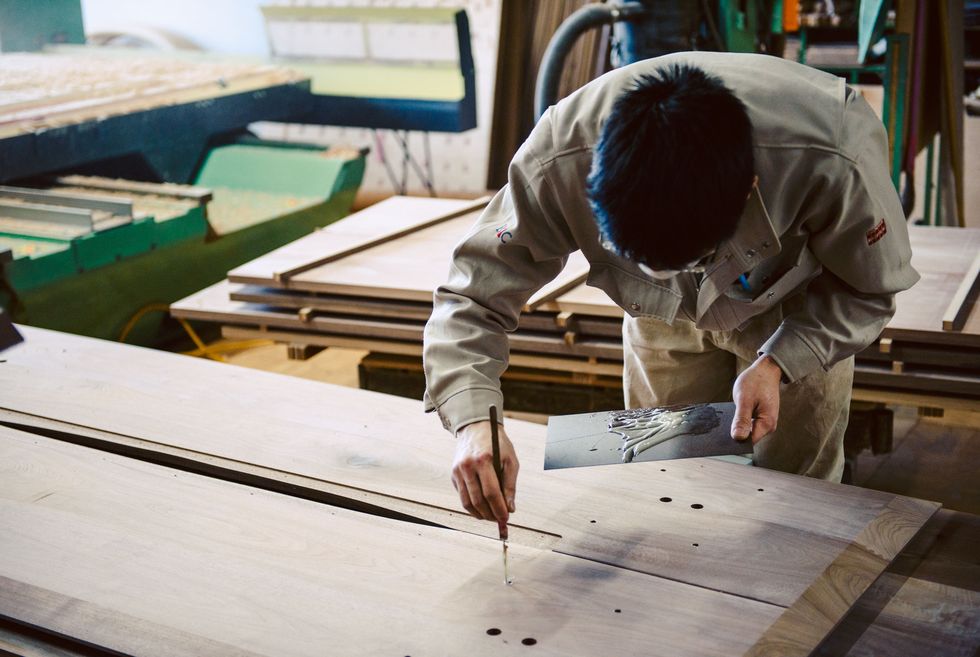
(282, 277)
(550, 293)
(819, 609)
(962, 302)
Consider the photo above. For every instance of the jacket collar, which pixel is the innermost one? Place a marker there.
(754, 241)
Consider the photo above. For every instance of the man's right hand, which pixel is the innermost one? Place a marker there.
(474, 476)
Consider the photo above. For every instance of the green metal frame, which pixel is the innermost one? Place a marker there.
(894, 78)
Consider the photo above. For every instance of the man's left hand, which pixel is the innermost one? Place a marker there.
(756, 395)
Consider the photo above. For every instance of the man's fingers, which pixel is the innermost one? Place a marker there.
(765, 422)
(475, 493)
(511, 466)
(493, 495)
(742, 422)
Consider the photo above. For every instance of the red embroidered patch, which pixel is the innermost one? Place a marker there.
(877, 232)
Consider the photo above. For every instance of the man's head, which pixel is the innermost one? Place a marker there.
(672, 169)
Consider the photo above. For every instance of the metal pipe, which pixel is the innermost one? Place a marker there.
(564, 38)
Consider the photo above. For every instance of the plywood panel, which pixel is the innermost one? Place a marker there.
(770, 544)
(942, 256)
(374, 225)
(146, 560)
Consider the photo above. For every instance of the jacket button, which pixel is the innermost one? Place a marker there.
(766, 245)
(750, 253)
(770, 295)
(635, 307)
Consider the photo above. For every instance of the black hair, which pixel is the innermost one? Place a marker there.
(672, 168)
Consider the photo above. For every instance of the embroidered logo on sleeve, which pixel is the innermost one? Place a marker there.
(877, 232)
(504, 234)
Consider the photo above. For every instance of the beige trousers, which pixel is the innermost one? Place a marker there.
(679, 364)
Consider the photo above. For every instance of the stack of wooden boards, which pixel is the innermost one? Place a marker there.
(367, 282)
(159, 504)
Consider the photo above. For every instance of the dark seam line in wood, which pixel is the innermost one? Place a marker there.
(56, 639)
(217, 472)
(235, 476)
(672, 579)
(852, 626)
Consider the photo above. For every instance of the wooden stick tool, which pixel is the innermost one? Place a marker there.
(499, 469)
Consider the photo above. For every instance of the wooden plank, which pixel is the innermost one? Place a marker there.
(213, 304)
(389, 219)
(943, 256)
(330, 303)
(829, 598)
(147, 560)
(927, 602)
(962, 302)
(755, 533)
(362, 306)
(573, 275)
(410, 348)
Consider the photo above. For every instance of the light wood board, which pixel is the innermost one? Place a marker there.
(146, 560)
(214, 304)
(961, 304)
(792, 544)
(391, 216)
(398, 249)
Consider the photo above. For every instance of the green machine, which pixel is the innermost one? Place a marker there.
(88, 255)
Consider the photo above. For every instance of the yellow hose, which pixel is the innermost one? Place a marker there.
(204, 351)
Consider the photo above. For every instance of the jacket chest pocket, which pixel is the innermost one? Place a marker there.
(637, 296)
(730, 312)
(775, 285)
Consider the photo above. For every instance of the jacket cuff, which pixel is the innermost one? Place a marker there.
(792, 353)
(466, 407)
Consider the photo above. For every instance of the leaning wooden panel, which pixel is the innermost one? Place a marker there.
(756, 533)
(147, 560)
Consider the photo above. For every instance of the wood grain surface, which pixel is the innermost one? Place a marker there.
(769, 544)
(367, 227)
(147, 560)
(926, 603)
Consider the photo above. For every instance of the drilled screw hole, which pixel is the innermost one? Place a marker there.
(665, 499)
(663, 469)
(493, 631)
(529, 641)
(697, 506)
(618, 611)
(592, 521)
(694, 544)
(760, 489)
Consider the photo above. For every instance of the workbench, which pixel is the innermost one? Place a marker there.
(159, 504)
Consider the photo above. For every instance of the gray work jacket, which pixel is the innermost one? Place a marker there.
(825, 218)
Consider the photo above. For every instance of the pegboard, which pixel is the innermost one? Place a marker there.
(459, 160)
